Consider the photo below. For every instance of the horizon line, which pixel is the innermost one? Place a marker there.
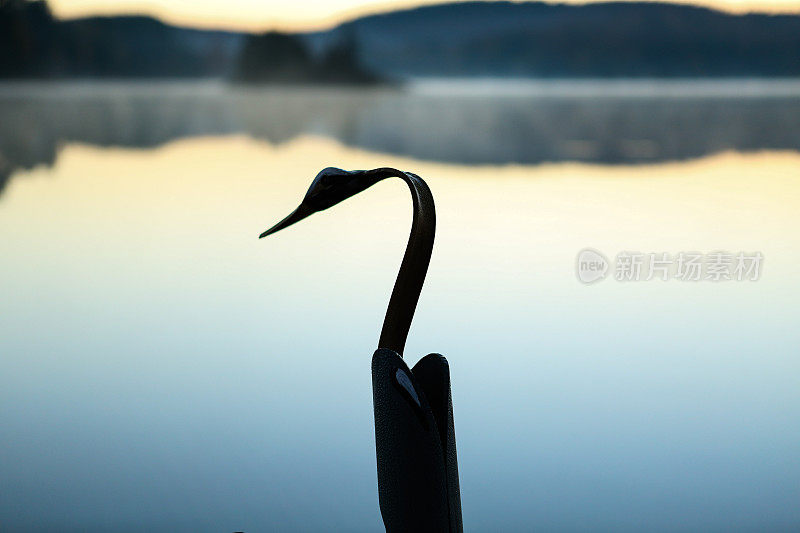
(330, 21)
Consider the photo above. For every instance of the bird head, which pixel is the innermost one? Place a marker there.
(331, 186)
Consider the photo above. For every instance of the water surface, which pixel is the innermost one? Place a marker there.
(162, 369)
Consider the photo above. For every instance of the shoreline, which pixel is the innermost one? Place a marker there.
(745, 87)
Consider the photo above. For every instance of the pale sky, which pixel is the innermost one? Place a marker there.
(307, 14)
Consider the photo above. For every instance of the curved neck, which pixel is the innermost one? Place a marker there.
(411, 276)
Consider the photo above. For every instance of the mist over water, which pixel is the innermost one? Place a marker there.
(161, 369)
(478, 122)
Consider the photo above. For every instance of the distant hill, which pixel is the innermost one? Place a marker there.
(472, 39)
(534, 39)
(35, 45)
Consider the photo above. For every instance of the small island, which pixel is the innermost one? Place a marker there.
(281, 58)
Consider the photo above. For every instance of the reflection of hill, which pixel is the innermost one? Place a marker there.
(458, 129)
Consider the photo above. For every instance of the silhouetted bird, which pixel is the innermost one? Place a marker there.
(414, 434)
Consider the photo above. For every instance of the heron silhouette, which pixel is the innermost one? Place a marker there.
(415, 442)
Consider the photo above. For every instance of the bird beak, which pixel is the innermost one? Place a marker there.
(296, 216)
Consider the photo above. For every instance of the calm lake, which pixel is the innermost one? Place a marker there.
(162, 369)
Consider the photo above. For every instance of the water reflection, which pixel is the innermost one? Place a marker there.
(479, 127)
